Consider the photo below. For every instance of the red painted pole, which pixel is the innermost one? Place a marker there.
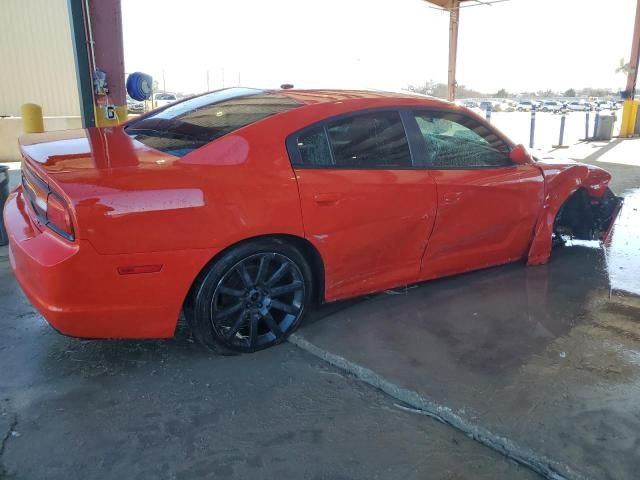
(106, 49)
(454, 17)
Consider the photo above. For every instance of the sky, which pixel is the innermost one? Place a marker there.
(519, 45)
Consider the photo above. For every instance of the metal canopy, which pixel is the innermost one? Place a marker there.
(446, 4)
(449, 4)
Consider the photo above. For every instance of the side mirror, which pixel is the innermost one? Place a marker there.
(520, 155)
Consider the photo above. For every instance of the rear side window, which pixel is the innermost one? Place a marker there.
(185, 126)
(372, 140)
(314, 149)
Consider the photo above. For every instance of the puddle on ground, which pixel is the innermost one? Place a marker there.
(623, 252)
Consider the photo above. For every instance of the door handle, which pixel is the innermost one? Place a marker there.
(327, 198)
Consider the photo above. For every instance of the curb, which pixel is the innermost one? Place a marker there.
(548, 468)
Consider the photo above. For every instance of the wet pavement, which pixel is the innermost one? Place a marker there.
(546, 357)
(79, 409)
(543, 358)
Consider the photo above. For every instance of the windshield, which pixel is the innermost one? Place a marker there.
(185, 126)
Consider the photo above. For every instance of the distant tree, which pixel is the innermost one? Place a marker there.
(425, 89)
(502, 93)
(546, 93)
(464, 92)
(595, 92)
(570, 93)
(440, 90)
(430, 88)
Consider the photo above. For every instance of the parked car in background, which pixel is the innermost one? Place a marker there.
(163, 99)
(607, 105)
(486, 105)
(470, 104)
(550, 106)
(506, 106)
(245, 207)
(524, 106)
(578, 106)
(134, 106)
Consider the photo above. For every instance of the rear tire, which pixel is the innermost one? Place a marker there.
(250, 298)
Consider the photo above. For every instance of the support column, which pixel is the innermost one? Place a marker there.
(105, 21)
(454, 16)
(630, 108)
(81, 55)
(97, 35)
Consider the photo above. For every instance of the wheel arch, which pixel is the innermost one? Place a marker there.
(306, 248)
(592, 208)
(573, 209)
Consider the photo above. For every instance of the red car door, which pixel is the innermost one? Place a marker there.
(487, 205)
(365, 209)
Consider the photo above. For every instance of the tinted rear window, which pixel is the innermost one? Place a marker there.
(185, 126)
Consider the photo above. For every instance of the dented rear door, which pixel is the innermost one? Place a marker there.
(364, 207)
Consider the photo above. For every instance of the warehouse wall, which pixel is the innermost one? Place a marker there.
(37, 57)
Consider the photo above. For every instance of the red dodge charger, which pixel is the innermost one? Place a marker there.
(244, 207)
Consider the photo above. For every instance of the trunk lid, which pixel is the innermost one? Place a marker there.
(90, 151)
(86, 168)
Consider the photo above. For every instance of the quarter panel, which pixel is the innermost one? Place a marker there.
(239, 186)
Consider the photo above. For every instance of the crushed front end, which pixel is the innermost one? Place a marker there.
(587, 218)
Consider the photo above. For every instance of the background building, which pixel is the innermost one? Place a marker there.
(37, 67)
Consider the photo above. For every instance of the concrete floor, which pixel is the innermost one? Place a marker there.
(541, 360)
(78, 409)
(544, 359)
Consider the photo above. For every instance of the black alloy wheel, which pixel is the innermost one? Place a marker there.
(257, 301)
(251, 298)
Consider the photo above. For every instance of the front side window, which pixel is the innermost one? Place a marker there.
(185, 126)
(454, 140)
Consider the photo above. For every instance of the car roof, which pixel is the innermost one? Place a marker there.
(310, 97)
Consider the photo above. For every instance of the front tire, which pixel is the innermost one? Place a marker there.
(250, 298)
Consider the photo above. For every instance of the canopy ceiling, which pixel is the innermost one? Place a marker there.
(447, 4)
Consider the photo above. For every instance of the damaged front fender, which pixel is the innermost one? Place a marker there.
(578, 202)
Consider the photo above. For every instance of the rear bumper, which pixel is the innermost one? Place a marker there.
(82, 294)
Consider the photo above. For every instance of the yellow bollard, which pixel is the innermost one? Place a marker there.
(32, 121)
(629, 114)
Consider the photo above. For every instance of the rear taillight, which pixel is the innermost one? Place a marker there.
(58, 216)
(49, 207)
